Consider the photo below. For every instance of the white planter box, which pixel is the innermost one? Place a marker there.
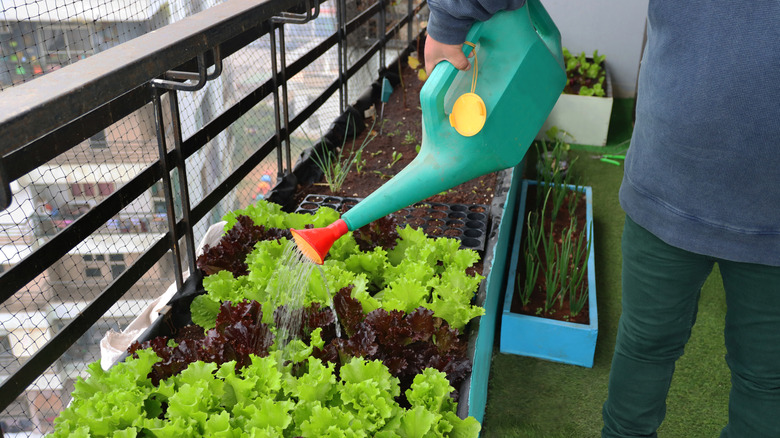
(585, 118)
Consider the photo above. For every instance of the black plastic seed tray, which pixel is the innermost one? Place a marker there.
(465, 222)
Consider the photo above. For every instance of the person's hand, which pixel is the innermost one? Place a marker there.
(436, 52)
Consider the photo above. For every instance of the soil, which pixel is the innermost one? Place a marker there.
(536, 305)
(401, 134)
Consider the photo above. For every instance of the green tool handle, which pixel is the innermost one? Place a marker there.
(607, 160)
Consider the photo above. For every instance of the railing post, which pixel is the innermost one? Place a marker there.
(277, 105)
(381, 35)
(285, 104)
(409, 11)
(341, 12)
(181, 165)
(184, 81)
(166, 180)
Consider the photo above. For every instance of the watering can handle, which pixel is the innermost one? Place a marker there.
(432, 102)
(546, 29)
(444, 73)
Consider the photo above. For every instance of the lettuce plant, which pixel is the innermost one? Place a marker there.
(401, 301)
(404, 273)
(263, 399)
(585, 75)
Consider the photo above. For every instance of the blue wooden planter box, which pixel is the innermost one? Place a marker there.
(549, 339)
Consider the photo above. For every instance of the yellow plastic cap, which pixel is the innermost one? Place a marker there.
(468, 114)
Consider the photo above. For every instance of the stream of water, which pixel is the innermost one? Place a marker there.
(292, 279)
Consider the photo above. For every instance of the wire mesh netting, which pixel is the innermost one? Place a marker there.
(40, 36)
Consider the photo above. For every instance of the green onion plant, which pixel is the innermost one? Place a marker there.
(335, 166)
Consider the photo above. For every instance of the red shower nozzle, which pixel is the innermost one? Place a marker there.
(315, 243)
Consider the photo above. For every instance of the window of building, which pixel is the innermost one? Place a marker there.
(93, 272)
(91, 190)
(117, 270)
(5, 345)
(82, 190)
(116, 257)
(160, 207)
(98, 141)
(105, 189)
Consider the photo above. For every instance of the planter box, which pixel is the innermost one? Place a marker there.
(549, 339)
(585, 118)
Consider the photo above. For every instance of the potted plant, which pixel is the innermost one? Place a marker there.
(550, 305)
(584, 109)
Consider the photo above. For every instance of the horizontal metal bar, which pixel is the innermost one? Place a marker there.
(28, 268)
(17, 383)
(363, 17)
(364, 58)
(64, 138)
(59, 97)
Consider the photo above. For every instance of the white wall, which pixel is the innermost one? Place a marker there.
(614, 27)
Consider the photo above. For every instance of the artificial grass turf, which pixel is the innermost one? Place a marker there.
(529, 397)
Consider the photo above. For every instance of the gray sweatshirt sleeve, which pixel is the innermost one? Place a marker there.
(450, 20)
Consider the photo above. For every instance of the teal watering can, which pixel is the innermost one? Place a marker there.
(474, 122)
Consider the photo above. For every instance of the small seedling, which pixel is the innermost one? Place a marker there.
(396, 158)
(417, 148)
(359, 162)
(409, 138)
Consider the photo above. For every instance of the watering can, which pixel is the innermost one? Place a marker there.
(517, 77)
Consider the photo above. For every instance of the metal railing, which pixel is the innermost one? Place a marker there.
(47, 117)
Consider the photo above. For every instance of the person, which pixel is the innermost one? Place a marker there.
(701, 187)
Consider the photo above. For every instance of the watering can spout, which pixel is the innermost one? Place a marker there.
(315, 243)
(519, 79)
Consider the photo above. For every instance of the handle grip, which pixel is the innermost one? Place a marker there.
(440, 79)
(546, 29)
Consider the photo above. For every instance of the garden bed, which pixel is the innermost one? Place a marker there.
(389, 152)
(247, 331)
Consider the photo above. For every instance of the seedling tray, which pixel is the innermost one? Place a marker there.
(465, 222)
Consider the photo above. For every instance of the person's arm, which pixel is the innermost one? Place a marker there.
(450, 21)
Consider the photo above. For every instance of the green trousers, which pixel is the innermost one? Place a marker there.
(661, 288)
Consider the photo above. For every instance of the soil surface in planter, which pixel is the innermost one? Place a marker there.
(536, 306)
(401, 134)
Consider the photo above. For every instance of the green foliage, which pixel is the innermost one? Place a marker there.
(264, 399)
(300, 396)
(335, 165)
(418, 271)
(395, 158)
(360, 162)
(586, 76)
(561, 261)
